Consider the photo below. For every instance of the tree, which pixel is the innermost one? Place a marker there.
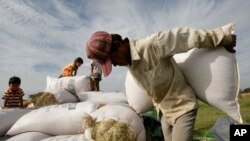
(246, 90)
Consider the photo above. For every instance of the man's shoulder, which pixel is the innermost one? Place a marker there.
(147, 42)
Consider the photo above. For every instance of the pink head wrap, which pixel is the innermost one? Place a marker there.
(98, 48)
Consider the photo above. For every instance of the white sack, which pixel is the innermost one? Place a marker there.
(78, 137)
(63, 95)
(8, 117)
(74, 84)
(62, 119)
(29, 136)
(122, 113)
(136, 95)
(214, 76)
(103, 97)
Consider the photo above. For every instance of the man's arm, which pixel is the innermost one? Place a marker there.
(75, 72)
(92, 66)
(180, 40)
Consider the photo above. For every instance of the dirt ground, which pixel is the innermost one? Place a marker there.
(245, 95)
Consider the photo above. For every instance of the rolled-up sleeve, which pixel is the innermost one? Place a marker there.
(180, 40)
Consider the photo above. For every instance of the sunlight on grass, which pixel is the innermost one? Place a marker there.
(207, 116)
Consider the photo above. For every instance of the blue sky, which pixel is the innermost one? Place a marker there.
(39, 37)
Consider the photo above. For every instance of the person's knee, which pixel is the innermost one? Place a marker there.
(184, 125)
(166, 129)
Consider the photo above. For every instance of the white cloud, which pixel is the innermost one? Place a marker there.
(34, 33)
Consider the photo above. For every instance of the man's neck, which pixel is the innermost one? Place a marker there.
(128, 51)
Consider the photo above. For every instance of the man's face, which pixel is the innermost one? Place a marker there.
(119, 55)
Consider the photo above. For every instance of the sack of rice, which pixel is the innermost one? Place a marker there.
(103, 97)
(214, 76)
(74, 84)
(62, 119)
(115, 122)
(78, 137)
(137, 96)
(8, 117)
(29, 136)
(63, 96)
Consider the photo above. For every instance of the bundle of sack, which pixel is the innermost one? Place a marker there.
(73, 121)
(63, 112)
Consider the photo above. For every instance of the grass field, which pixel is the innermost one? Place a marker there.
(207, 116)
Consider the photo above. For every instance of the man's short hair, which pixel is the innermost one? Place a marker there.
(115, 38)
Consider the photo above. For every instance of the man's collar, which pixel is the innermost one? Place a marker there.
(135, 57)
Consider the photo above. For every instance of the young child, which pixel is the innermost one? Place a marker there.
(96, 75)
(71, 69)
(13, 97)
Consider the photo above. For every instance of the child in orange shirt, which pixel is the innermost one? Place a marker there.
(13, 97)
(71, 69)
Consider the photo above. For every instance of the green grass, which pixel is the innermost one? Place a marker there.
(207, 116)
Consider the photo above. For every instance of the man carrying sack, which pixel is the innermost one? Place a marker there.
(150, 61)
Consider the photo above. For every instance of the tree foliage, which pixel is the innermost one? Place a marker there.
(246, 90)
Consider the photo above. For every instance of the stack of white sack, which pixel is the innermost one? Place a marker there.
(64, 119)
(112, 122)
(68, 122)
(8, 117)
(74, 84)
(29, 136)
(103, 98)
(115, 122)
(38, 136)
(77, 89)
(66, 89)
(212, 73)
(78, 137)
(63, 96)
